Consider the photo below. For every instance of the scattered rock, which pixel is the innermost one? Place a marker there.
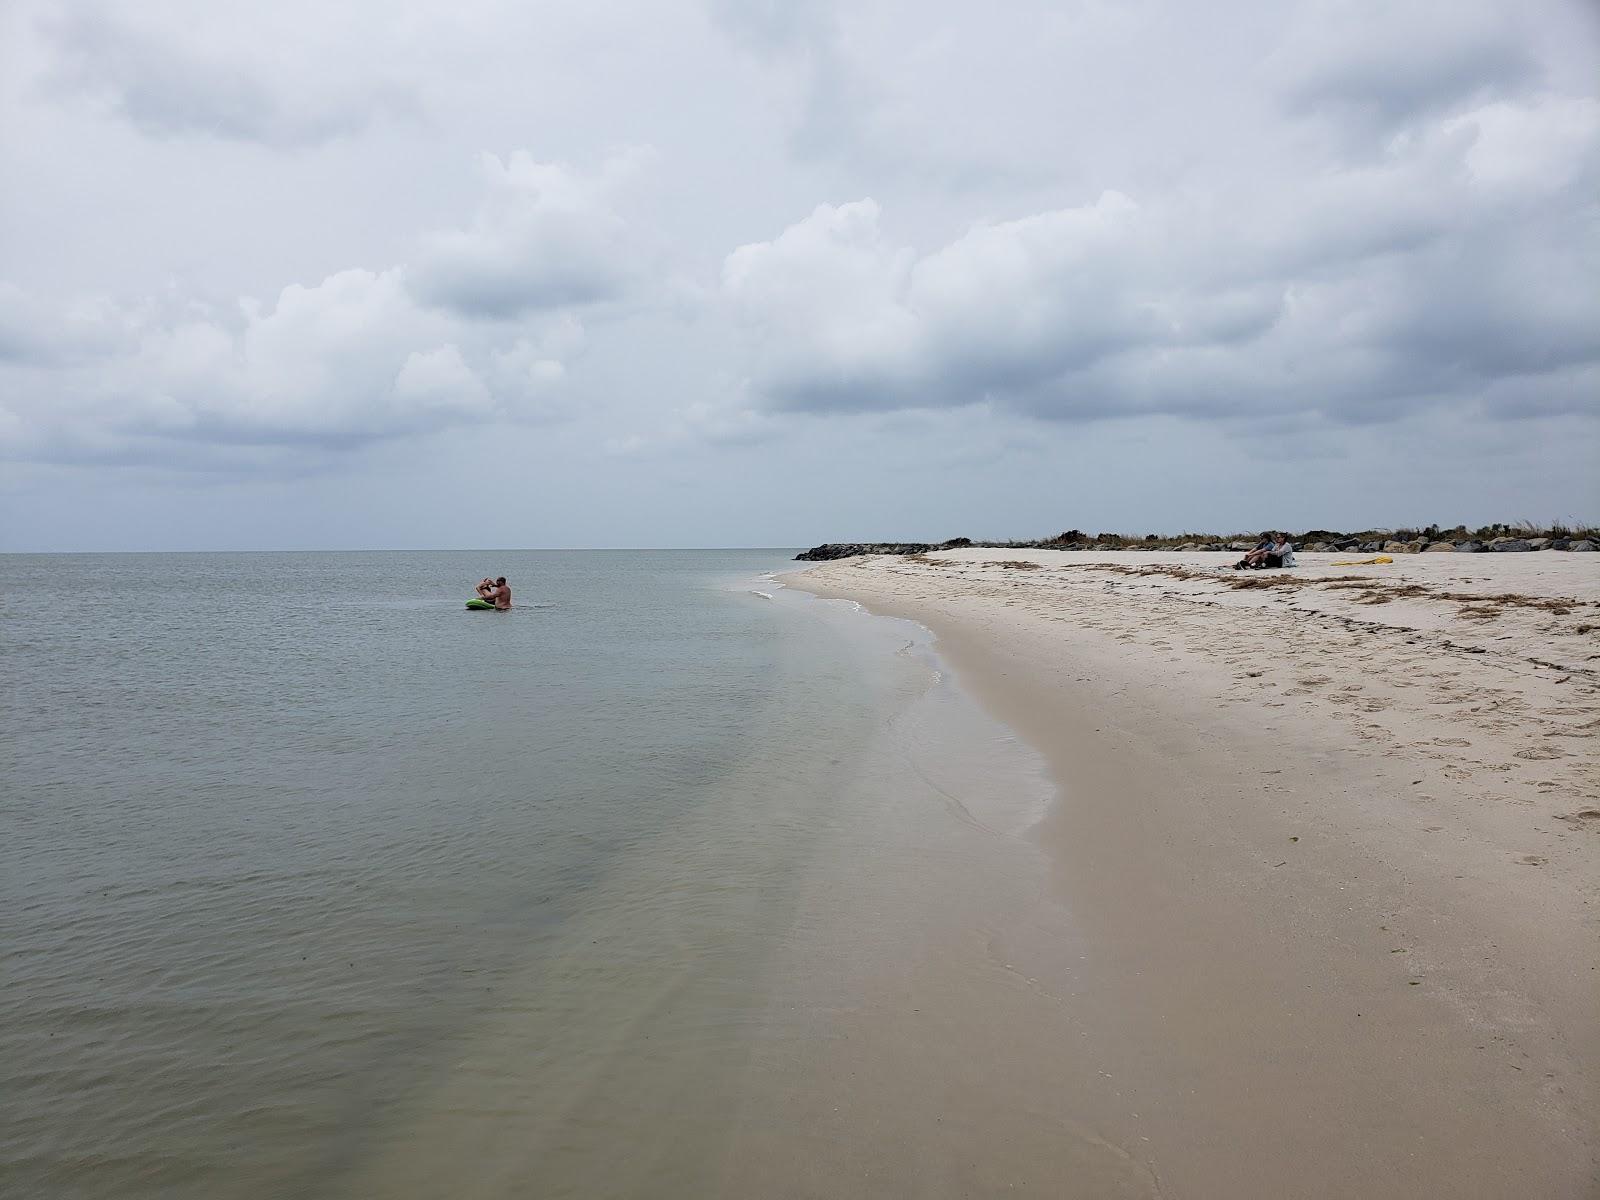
(1468, 547)
(1510, 545)
(1582, 545)
(1441, 548)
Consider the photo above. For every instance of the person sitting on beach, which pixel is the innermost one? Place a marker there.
(1255, 557)
(500, 594)
(1281, 553)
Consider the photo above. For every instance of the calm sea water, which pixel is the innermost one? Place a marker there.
(314, 883)
(277, 826)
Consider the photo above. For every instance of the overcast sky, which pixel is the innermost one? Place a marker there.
(761, 272)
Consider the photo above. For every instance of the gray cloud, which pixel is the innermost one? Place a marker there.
(1389, 63)
(838, 106)
(81, 332)
(173, 82)
(842, 105)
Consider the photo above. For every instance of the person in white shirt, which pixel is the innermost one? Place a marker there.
(1281, 553)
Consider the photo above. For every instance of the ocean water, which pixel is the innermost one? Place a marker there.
(314, 883)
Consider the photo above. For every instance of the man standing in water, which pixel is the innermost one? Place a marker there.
(500, 594)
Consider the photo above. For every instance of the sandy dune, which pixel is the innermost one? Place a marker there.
(1335, 835)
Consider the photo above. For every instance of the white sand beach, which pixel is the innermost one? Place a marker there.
(1331, 840)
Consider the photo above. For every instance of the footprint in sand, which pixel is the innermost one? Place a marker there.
(1454, 772)
(1533, 860)
(1451, 742)
(1540, 753)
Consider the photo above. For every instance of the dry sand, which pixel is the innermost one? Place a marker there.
(1329, 841)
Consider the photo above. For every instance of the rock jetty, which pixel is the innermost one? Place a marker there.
(1490, 539)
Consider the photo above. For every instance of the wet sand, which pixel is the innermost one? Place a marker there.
(1322, 875)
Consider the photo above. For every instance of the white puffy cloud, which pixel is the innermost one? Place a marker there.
(826, 301)
(359, 357)
(351, 360)
(1456, 266)
(545, 236)
(440, 379)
